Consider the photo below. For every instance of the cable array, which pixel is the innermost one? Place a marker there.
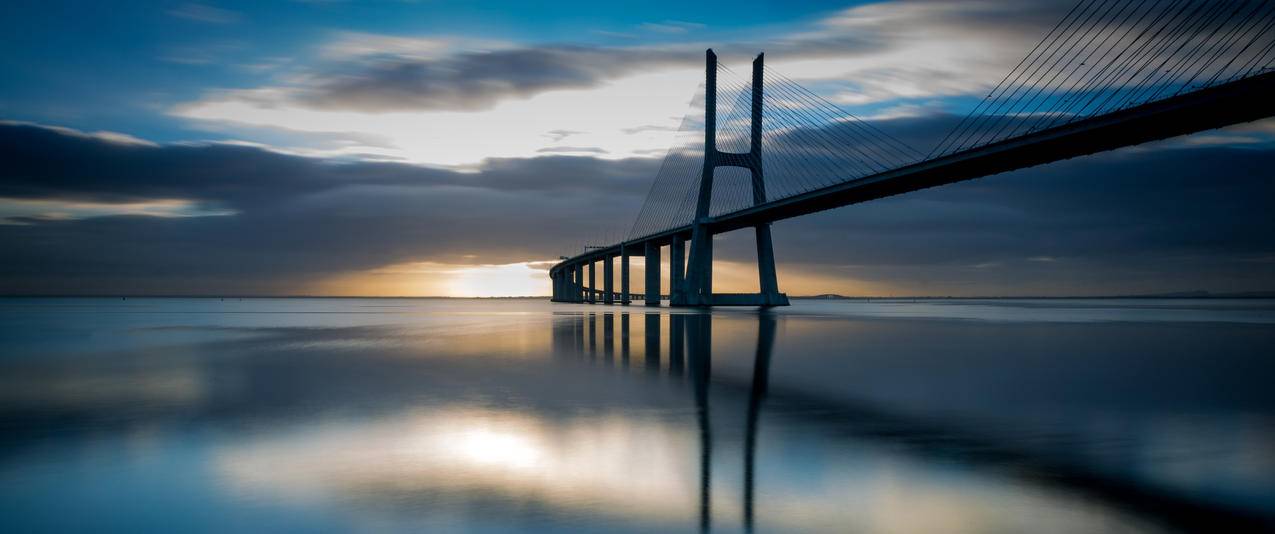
(1103, 56)
(807, 143)
(1109, 55)
(677, 181)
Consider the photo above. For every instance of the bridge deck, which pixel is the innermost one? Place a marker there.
(1215, 107)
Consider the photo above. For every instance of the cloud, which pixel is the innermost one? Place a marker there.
(359, 45)
(1183, 214)
(516, 128)
(565, 149)
(476, 80)
(101, 135)
(671, 26)
(291, 222)
(34, 211)
(648, 128)
(204, 13)
(560, 134)
(1132, 220)
(438, 97)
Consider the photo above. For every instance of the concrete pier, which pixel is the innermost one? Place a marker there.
(624, 275)
(608, 280)
(592, 294)
(652, 274)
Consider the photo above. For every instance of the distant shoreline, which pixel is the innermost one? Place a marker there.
(1165, 296)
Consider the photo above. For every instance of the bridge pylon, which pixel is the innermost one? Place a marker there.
(697, 286)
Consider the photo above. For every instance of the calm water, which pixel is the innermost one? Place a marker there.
(456, 415)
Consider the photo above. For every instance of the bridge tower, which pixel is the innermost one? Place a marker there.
(697, 286)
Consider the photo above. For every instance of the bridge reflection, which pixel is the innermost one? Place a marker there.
(689, 344)
(687, 339)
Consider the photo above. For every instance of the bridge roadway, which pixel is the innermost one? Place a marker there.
(1227, 104)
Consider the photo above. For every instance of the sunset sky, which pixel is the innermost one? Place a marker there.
(446, 148)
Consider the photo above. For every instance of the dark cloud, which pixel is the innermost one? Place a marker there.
(477, 80)
(558, 135)
(470, 81)
(297, 219)
(1130, 221)
(567, 149)
(1138, 219)
(648, 128)
(43, 163)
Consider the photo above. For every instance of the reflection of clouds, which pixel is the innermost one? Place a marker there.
(634, 469)
(1185, 452)
(460, 452)
(96, 388)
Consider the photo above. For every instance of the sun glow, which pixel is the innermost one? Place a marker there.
(513, 280)
(430, 279)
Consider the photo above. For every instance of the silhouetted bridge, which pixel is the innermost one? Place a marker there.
(1110, 74)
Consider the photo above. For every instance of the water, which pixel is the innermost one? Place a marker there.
(509, 415)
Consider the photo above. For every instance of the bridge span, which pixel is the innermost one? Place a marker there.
(1175, 76)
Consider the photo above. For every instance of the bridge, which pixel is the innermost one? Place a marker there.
(1110, 74)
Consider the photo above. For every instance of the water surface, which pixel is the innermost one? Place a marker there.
(507, 415)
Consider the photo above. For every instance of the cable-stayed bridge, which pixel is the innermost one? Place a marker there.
(1110, 74)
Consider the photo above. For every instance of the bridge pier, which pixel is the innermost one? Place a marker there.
(592, 297)
(624, 275)
(577, 290)
(677, 270)
(608, 279)
(652, 273)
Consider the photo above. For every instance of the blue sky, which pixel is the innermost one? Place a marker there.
(457, 148)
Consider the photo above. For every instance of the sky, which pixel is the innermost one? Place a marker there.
(389, 148)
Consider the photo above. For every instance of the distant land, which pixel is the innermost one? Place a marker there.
(1197, 294)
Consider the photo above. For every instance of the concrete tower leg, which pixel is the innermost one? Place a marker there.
(769, 285)
(652, 274)
(766, 265)
(699, 270)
